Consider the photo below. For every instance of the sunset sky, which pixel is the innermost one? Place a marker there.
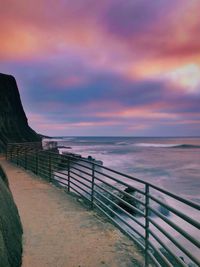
(106, 67)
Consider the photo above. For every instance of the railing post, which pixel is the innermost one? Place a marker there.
(146, 223)
(50, 167)
(92, 186)
(37, 162)
(68, 174)
(17, 156)
(25, 159)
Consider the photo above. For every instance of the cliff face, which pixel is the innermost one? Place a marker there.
(13, 122)
(10, 227)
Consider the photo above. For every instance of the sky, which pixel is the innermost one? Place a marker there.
(105, 68)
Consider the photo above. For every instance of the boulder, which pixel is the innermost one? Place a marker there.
(163, 210)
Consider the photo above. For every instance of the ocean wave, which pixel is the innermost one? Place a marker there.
(67, 138)
(122, 143)
(167, 145)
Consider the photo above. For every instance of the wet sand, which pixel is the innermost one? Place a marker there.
(61, 232)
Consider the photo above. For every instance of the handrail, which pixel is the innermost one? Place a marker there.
(185, 201)
(131, 209)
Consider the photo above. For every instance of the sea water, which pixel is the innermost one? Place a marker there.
(170, 163)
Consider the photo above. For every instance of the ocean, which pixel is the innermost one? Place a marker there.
(170, 163)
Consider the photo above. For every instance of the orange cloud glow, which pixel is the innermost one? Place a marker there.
(107, 60)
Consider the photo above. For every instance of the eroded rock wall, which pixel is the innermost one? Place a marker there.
(10, 227)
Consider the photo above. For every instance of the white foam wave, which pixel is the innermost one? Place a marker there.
(122, 143)
(157, 145)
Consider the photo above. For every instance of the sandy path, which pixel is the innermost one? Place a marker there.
(60, 232)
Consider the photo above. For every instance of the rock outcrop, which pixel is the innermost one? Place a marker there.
(139, 206)
(13, 121)
(10, 227)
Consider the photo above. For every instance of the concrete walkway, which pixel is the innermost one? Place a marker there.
(60, 232)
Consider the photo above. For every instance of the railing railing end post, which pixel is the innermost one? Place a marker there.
(146, 224)
(92, 186)
(68, 174)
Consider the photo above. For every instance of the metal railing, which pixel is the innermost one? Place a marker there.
(163, 224)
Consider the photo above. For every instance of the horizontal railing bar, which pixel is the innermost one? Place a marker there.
(54, 169)
(22, 151)
(43, 152)
(31, 160)
(22, 144)
(44, 171)
(154, 260)
(67, 158)
(41, 160)
(119, 217)
(120, 182)
(60, 182)
(43, 168)
(42, 157)
(173, 240)
(126, 203)
(79, 193)
(60, 166)
(178, 213)
(86, 167)
(176, 227)
(167, 249)
(72, 167)
(31, 164)
(40, 169)
(118, 225)
(63, 178)
(80, 182)
(166, 262)
(185, 201)
(60, 172)
(71, 182)
(82, 177)
(123, 192)
(43, 175)
(59, 158)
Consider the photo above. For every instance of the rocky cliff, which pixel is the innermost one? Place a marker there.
(10, 227)
(13, 122)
